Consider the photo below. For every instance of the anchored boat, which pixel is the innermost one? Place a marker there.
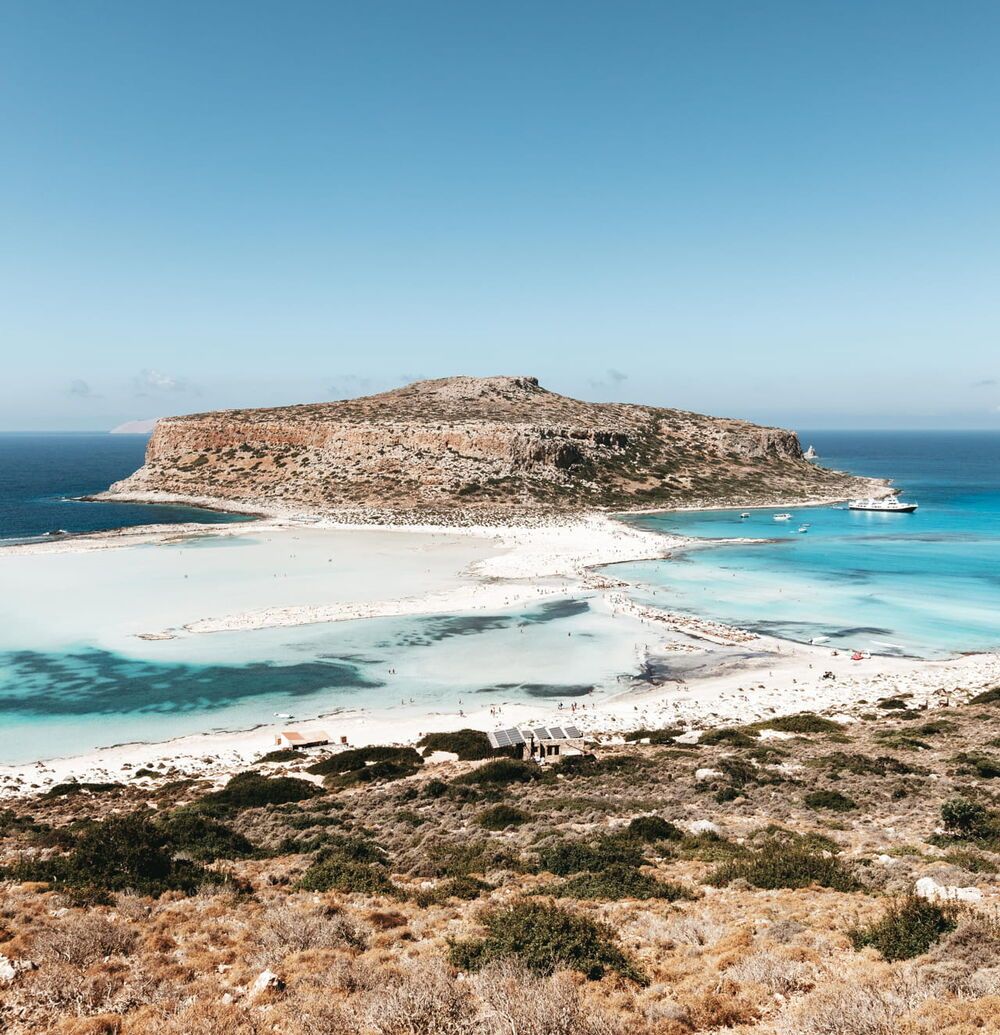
(888, 505)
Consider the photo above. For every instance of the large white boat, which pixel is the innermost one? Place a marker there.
(886, 505)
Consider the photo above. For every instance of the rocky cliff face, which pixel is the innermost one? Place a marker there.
(463, 442)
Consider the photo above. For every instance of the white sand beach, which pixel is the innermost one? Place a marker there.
(170, 583)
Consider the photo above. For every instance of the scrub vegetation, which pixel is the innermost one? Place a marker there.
(382, 891)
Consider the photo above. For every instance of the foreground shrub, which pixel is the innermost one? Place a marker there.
(281, 755)
(502, 771)
(986, 767)
(727, 735)
(987, 697)
(335, 872)
(664, 736)
(501, 817)
(908, 928)
(565, 857)
(123, 853)
(804, 722)
(832, 800)
(545, 937)
(82, 940)
(378, 772)
(468, 744)
(969, 820)
(654, 828)
(616, 882)
(202, 838)
(251, 790)
(779, 864)
(358, 758)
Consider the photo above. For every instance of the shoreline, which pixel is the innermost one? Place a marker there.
(542, 558)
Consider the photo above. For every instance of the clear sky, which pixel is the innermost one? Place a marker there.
(787, 211)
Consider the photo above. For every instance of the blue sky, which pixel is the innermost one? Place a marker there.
(780, 210)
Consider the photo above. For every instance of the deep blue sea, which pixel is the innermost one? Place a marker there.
(925, 584)
(41, 473)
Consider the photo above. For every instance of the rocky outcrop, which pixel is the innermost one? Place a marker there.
(463, 442)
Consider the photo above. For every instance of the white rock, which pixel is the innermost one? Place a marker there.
(886, 860)
(766, 734)
(7, 971)
(928, 888)
(265, 980)
(703, 826)
(702, 775)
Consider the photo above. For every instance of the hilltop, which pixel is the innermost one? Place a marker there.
(476, 443)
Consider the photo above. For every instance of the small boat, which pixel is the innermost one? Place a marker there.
(857, 656)
(782, 517)
(886, 505)
(803, 528)
(744, 515)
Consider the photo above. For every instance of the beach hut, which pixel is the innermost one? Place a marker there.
(542, 743)
(302, 738)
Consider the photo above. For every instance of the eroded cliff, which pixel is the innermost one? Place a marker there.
(472, 443)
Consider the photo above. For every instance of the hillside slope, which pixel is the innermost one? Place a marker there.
(473, 443)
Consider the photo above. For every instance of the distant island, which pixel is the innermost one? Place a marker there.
(135, 427)
(479, 444)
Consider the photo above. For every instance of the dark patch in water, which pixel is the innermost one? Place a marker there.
(540, 689)
(554, 610)
(97, 682)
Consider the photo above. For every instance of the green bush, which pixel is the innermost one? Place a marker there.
(378, 772)
(653, 828)
(908, 928)
(832, 800)
(467, 744)
(250, 790)
(72, 787)
(543, 938)
(463, 887)
(358, 758)
(892, 704)
(727, 735)
(987, 697)
(804, 722)
(664, 736)
(986, 767)
(281, 755)
(502, 771)
(335, 871)
(776, 863)
(500, 817)
(968, 819)
(122, 853)
(565, 857)
(616, 882)
(864, 765)
(203, 838)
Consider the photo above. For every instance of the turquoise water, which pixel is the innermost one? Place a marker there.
(63, 702)
(924, 584)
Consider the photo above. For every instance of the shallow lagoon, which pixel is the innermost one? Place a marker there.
(925, 584)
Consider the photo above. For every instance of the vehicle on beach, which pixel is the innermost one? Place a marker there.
(888, 505)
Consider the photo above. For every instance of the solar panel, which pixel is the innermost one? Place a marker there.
(572, 733)
(541, 734)
(505, 738)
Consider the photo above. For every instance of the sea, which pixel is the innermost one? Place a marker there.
(925, 584)
(41, 476)
(74, 676)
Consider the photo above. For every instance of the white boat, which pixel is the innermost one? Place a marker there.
(803, 528)
(782, 517)
(744, 515)
(886, 505)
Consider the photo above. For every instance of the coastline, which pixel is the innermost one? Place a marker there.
(542, 558)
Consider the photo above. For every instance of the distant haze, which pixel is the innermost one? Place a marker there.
(781, 211)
